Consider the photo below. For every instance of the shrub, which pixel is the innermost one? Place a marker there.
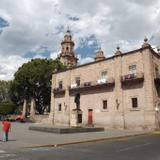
(7, 108)
(18, 110)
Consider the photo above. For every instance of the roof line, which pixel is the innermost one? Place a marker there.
(112, 57)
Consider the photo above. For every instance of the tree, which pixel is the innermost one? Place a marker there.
(6, 106)
(33, 82)
(4, 91)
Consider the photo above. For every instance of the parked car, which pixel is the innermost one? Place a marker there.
(11, 117)
(20, 118)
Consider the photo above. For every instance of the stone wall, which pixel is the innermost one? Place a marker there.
(122, 117)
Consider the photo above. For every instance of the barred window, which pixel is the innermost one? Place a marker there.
(59, 107)
(132, 69)
(104, 75)
(105, 104)
(78, 81)
(134, 102)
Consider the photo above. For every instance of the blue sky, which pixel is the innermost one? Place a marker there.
(42, 52)
(88, 47)
(30, 30)
(3, 23)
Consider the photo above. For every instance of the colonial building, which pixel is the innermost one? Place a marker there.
(122, 91)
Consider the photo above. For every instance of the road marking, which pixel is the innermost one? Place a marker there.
(40, 149)
(19, 159)
(1, 151)
(7, 155)
(133, 147)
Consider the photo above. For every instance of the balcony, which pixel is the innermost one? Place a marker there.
(132, 78)
(58, 91)
(92, 85)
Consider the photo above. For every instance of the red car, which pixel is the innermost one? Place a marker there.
(20, 118)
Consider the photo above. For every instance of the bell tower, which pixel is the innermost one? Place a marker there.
(67, 55)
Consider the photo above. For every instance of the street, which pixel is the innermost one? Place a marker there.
(135, 148)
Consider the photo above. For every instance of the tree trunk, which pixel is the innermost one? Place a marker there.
(32, 111)
(24, 108)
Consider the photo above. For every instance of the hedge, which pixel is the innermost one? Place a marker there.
(7, 108)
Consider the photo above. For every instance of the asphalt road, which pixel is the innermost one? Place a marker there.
(136, 148)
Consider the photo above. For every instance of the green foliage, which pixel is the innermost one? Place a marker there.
(33, 79)
(18, 110)
(4, 90)
(7, 108)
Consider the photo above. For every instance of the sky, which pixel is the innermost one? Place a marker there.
(35, 28)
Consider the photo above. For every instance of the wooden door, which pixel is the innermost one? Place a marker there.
(90, 116)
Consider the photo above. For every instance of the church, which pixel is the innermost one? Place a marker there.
(121, 91)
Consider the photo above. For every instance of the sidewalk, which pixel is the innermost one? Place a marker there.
(21, 137)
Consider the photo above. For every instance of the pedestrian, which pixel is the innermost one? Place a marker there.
(6, 127)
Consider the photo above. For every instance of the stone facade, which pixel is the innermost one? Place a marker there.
(122, 91)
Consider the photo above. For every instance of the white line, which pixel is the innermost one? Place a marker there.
(133, 147)
(1, 151)
(7, 155)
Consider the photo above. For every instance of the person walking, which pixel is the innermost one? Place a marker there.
(6, 127)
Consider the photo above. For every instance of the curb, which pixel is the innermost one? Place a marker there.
(156, 132)
(91, 141)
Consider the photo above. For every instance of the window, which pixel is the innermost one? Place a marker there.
(134, 102)
(59, 107)
(78, 81)
(104, 104)
(60, 84)
(67, 48)
(132, 69)
(104, 75)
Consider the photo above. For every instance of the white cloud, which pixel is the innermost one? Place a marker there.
(34, 24)
(9, 65)
(39, 56)
(84, 60)
(54, 55)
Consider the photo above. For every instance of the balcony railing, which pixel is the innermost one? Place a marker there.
(58, 91)
(89, 85)
(131, 78)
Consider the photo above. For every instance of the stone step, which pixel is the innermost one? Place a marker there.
(60, 130)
